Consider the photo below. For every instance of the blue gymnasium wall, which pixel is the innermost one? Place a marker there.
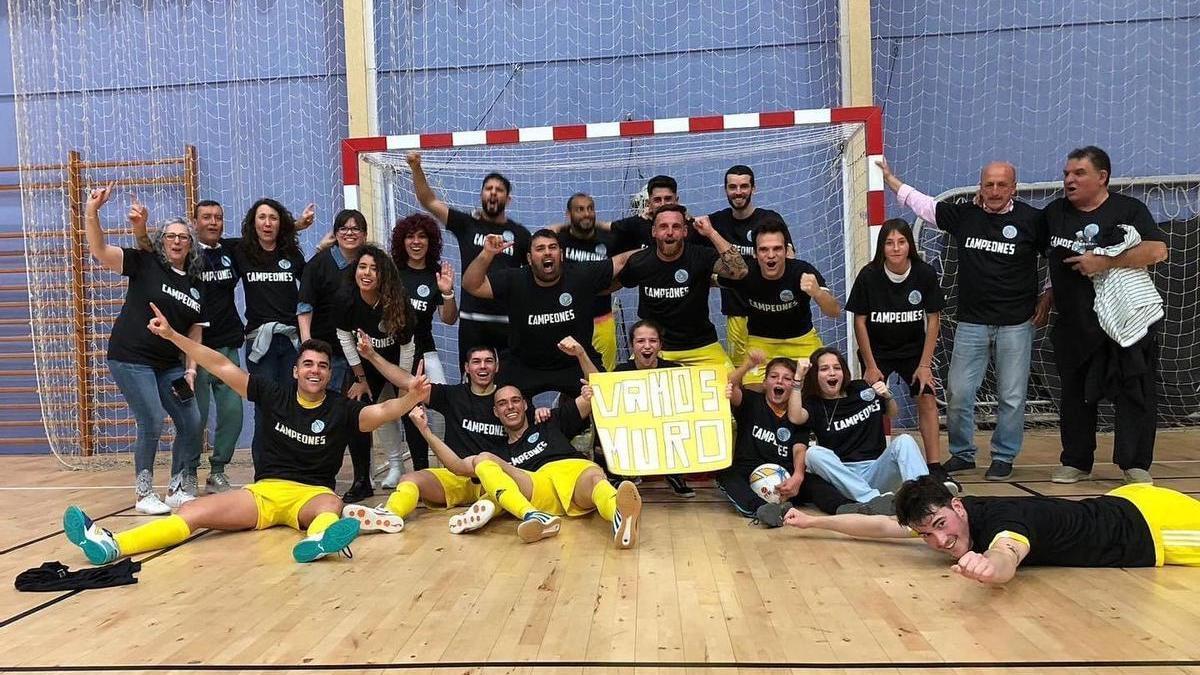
(1115, 75)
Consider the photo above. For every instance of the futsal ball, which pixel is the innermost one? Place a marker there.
(766, 478)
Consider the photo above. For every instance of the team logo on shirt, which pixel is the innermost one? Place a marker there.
(786, 295)
(318, 426)
(423, 291)
(565, 299)
(533, 438)
(195, 293)
(681, 276)
(509, 236)
(914, 298)
(750, 236)
(1009, 232)
(601, 249)
(867, 394)
(285, 264)
(382, 327)
(226, 261)
(783, 434)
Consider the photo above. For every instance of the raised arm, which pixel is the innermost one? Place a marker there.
(797, 414)
(852, 524)
(890, 407)
(730, 264)
(754, 359)
(474, 279)
(618, 262)
(212, 361)
(822, 296)
(583, 402)
(436, 207)
(571, 347)
(138, 216)
(921, 204)
(445, 455)
(393, 373)
(111, 257)
(376, 415)
(307, 218)
(445, 284)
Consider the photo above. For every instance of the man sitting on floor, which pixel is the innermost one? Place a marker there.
(1135, 525)
(304, 428)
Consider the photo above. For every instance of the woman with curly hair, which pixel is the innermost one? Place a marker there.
(377, 311)
(429, 280)
(148, 370)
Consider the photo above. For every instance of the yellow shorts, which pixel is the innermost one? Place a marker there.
(460, 490)
(604, 340)
(279, 501)
(736, 333)
(1174, 520)
(708, 355)
(554, 487)
(792, 348)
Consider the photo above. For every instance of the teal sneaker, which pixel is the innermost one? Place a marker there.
(335, 539)
(97, 543)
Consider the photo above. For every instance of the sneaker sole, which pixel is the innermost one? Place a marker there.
(629, 505)
(535, 530)
(337, 537)
(370, 520)
(1068, 481)
(998, 478)
(75, 527)
(475, 517)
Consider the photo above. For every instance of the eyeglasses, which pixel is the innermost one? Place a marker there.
(350, 228)
(177, 236)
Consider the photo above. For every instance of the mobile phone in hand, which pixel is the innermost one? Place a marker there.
(183, 390)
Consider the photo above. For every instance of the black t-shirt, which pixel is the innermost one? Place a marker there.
(762, 436)
(631, 233)
(851, 426)
(354, 314)
(598, 249)
(540, 316)
(177, 296)
(777, 308)
(471, 424)
(631, 365)
(549, 441)
(997, 261)
(218, 281)
(675, 294)
(740, 234)
(271, 289)
(297, 443)
(1097, 532)
(322, 286)
(471, 233)
(1077, 331)
(896, 312)
(424, 297)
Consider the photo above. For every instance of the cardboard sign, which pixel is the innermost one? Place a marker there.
(663, 421)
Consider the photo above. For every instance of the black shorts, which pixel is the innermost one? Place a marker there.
(902, 367)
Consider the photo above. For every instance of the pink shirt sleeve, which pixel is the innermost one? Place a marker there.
(921, 204)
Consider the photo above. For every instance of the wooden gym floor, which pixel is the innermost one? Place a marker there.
(703, 592)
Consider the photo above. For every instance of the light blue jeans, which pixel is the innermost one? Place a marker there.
(973, 344)
(863, 481)
(148, 392)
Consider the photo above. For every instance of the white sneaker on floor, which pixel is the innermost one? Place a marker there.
(475, 517)
(152, 505)
(178, 493)
(1137, 477)
(392, 479)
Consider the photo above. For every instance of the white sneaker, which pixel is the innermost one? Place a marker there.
(392, 479)
(178, 493)
(473, 518)
(374, 519)
(152, 505)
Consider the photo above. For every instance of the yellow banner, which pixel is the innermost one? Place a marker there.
(663, 421)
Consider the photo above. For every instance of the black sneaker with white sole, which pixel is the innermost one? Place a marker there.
(680, 487)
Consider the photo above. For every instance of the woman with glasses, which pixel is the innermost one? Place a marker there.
(429, 283)
(148, 370)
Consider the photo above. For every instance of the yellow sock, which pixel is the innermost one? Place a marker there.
(322, 522)
(153, 535)
(604, 495)
(503, 489)
(404, 500)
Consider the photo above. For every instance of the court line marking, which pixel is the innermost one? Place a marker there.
(673, 665)
(44, 537)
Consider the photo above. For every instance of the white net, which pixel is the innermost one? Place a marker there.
(799, 172)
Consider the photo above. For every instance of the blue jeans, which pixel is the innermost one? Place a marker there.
(863, 481)
(973, 344)
(148, 392)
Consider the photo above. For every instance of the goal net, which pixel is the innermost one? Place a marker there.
(803, 172)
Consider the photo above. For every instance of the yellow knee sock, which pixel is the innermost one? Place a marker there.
(404, 500)
(604, 495)
(503, 489)
(153, 535)
(322, 522)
